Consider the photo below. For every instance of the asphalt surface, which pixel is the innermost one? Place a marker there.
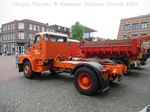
(58, 94)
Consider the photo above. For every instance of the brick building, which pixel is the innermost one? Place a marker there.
(135, 27)
(16, 34)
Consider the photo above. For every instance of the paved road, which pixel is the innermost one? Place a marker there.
(58, 94)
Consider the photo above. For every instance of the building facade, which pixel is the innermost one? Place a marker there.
(17, 34)
(135, 27)
(59, 29)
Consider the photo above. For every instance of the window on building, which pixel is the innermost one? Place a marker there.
(20, 25)
(126, 27)
(5, 37)
(65, 29)
(86, 35)
(4, 45)
(8, 27)
(144, 25)
(47, 29)
(59, 27)
(11, 27)
(143, 35)
(34, 27)
(13, 44)
(30, 26)
(43, 29)
(51, 30)
(38, 28)
(5, 28)
(14, 36)
(10, 36)
(134, 36)
(125, 37)
(21, 35)
(14, 26)
(135, 26)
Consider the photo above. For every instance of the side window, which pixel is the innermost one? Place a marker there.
(37, 40)
(45, 37)
(52, 39)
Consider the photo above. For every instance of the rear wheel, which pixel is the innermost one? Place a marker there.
(86, 81)
(27, 69)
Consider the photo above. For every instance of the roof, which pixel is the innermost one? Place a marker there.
(34, 22)
(87, 29)
(136, 17)
(52, 33)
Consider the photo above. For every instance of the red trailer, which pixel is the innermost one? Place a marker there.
(127, 51)
(74, 48)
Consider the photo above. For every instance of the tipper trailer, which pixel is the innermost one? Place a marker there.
(128, 51)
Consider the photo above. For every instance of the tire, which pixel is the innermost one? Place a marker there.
(27, 69)
(37, 74)
(53, 72)
(86, 81)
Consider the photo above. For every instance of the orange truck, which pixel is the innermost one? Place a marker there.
(50, 51)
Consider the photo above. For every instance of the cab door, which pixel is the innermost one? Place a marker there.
(37, 47)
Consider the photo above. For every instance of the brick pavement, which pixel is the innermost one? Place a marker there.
(58, 94)
(8, 70)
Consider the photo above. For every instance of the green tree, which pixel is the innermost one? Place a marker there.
(77, 31)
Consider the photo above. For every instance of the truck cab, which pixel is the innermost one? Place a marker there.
(44, 49)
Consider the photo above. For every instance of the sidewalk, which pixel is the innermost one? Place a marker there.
(8, 70)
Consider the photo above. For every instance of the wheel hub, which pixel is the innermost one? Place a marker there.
(27, 70)
(85, 80)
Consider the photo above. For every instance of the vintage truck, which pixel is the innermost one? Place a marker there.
(50, 51)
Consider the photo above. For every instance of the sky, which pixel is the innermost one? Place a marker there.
(101, 15)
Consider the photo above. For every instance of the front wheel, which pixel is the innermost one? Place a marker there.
(86, 81)
(27, 69)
